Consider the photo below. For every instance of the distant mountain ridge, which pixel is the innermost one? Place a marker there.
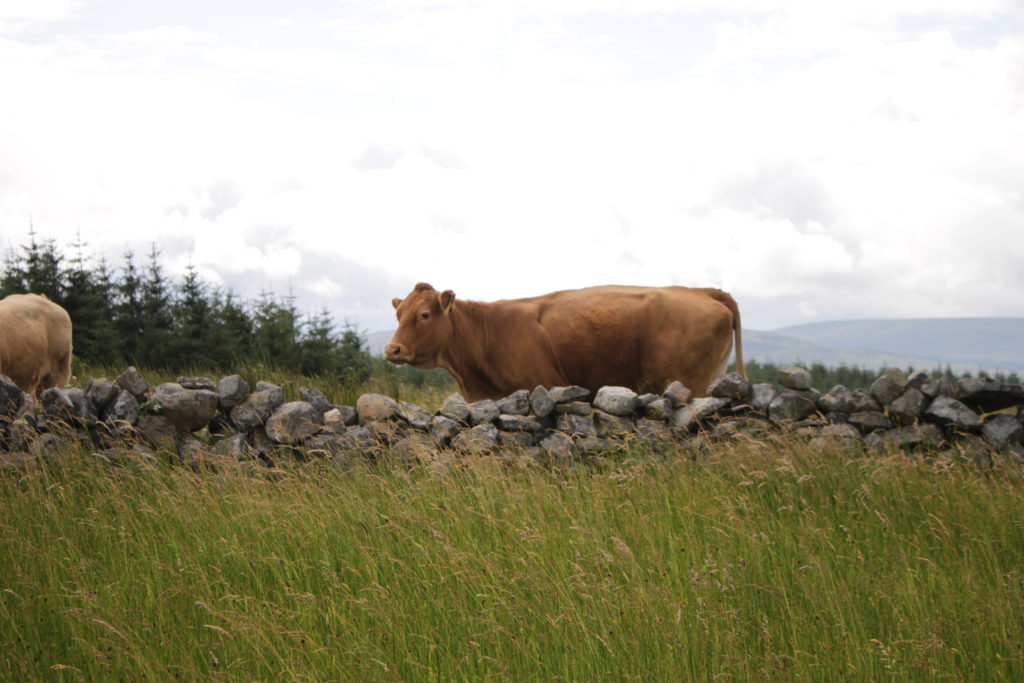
(965, 344)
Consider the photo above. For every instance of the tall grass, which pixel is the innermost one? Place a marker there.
(757, 561)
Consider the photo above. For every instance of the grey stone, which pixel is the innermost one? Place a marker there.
(889, 386)
(158, 431)
(455, 408)
(595, 446)
(291, 423)
(444, 428)
(792, 406)
(838, 399)
(482, 438)
(541, 403)
(870, 420)
(254, 410)
(945, 412)
(414, 448)
(315, 398)
(197, 383)
(616, 400)
(188, 409)
(17, 434)
(517, 423)
(275, 392)
(235, 447)
(417, 417)
(327, 445)
(653, 432)
(12, 398)
(517, 403)
(82, 409)
(926, 435)
(608, 425)
(937, 386)
(574, 425)
(863, 401)
(907, 408)
(1001, 430)
(57, 406)
(335, 421)
(658, 409)
(515, 439)
(384, 431)
(732, 385)
(580, 408)
(569, 393)
(917, 379)
(838, 436)
(558, 447)
(101, 392)
(986, 395)
(483, 412)
(232, 391)
(125, 411)
(761, 396)
(698, 410)
(221, 426)
(793, 377)
(645, 399)
(376, 408)
(132, 381)
(677, 394)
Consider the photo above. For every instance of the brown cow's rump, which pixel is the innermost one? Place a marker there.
(35, 342)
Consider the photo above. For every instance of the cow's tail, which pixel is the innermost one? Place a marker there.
(726, 300)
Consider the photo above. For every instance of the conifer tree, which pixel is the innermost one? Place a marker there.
(192, 324)
(13, 280)
(157, 316)
(277, 328)
(129, 311)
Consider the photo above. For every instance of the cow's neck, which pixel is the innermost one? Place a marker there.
(468, 354)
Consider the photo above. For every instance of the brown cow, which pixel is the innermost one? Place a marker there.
(35, 342)
(637, 337)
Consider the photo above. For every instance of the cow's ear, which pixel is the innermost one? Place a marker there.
(447, 299)
(396, 302)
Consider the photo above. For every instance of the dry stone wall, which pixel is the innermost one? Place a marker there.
(197, 417)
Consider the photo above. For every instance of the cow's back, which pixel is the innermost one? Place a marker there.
(639, 337)
(35, 342)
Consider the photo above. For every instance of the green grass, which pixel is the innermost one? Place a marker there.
(426, 388)
(759, 560)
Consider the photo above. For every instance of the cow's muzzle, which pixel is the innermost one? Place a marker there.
(395, 353)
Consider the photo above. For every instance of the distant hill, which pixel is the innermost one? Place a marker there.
(965, 344)
(968, 343)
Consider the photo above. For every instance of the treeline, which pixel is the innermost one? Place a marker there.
(824, 377)
(134, 313)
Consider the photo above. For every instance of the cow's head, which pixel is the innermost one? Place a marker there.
(424, 327)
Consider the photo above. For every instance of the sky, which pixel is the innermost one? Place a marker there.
(820, 161)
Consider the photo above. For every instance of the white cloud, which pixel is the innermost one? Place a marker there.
(837, 163)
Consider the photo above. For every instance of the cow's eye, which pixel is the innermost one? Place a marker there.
(425, 315)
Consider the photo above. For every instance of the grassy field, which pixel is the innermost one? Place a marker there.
(758, 560)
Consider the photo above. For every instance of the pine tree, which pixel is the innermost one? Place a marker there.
(192, 324)
(277, 328)
(92, 312)
(354, 357)
(157, 317)
(319, 350)
(43, 268)
(13, 280)
(231, 332)
(129, 311)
